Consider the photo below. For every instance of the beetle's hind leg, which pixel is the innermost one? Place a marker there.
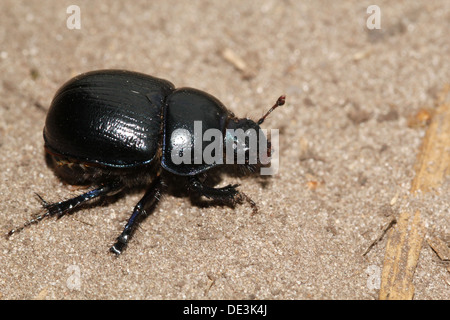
(60, 208)
(148, 201)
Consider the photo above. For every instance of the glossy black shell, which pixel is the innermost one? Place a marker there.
(107, 117)
(120, 119)
(183, 107)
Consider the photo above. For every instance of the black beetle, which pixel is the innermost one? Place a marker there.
(114, 129)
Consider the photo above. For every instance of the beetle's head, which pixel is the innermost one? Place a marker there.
(245, 142)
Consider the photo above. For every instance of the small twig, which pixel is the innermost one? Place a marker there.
(237, 62)
(386, 229)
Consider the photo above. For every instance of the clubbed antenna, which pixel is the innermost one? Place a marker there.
(281, 100)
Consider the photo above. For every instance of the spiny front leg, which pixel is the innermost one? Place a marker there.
(227, 193)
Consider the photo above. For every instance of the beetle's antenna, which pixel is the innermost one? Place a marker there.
(281, 100)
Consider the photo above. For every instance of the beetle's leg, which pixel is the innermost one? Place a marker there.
(62, 207)
(149, 200)
(227, 193)
(242, 196)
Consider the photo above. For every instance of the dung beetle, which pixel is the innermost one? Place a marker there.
(117, 129)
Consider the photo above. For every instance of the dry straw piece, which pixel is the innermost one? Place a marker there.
(405, 240)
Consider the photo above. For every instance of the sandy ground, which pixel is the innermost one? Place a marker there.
(347, 149)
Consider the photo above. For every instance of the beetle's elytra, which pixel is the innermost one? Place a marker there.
(115, 129)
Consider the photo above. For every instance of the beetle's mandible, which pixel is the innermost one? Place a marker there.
(114, 129)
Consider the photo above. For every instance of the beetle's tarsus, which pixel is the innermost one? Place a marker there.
(58, 209)
(149, 200)
(228, 192)
(243, 197)
(119, 246)
(28, 223)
